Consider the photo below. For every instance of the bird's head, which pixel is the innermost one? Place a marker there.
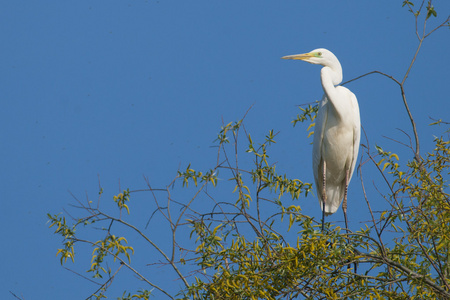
(319, 56)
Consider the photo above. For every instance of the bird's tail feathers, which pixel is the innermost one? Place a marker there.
(334, 199)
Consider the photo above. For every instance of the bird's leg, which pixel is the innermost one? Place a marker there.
(324, 193)
(344, 204)
(344, 208)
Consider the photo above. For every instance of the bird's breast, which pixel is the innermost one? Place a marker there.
(337, 148)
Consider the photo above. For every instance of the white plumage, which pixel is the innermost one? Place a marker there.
(337, 131)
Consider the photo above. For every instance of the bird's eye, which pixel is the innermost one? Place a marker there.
(319, 53)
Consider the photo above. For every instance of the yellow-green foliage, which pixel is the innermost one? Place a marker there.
(414, 266)
(121, 199)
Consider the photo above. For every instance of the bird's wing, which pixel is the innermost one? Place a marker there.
(356, 132)
(317, 142)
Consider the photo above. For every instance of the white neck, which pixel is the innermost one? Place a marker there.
(331, 76)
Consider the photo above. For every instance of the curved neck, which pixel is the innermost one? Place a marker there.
(330, 77)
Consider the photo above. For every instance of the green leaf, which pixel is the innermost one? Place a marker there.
(431, 12)
(406, 2)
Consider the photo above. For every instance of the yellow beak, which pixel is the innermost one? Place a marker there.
(299, 56)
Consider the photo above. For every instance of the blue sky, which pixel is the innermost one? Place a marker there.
(125, 89)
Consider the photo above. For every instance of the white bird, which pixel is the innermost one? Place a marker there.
(336, 135)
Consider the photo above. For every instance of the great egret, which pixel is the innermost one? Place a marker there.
(336, 135)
